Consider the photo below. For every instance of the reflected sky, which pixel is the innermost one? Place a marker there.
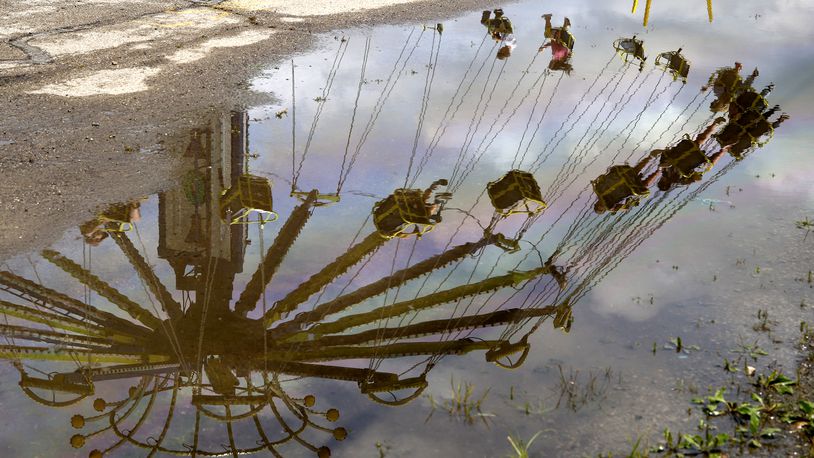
(703, 275)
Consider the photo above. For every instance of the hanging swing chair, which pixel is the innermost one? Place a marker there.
(117, 218)
(401, 211)
(751, 100)
(253, 194)
(675, 63)
(630, 49)
(620, 183)
(517, 192)
(419, 384)
(685, 158)
(564, 317)
(752, 125)
(506, 349)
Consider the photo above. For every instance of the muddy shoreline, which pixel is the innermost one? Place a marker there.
(61, 158)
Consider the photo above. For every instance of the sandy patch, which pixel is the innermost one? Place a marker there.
(8, 31)
(242, 39)
(157, 27)
(309, 7)
(104, 82)
(8, 52)
(13, 64)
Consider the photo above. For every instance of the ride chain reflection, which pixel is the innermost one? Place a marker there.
(193, 372)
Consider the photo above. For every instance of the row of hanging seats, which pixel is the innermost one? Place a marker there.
(632, 49)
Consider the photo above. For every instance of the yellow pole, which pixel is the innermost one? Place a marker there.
(709, 10)
(647, 12)
(635, 4)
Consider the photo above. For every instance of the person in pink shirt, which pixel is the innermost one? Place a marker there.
(562, 45)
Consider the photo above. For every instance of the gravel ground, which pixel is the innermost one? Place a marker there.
(97, 95)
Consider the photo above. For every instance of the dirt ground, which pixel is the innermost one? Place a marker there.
(97, 95)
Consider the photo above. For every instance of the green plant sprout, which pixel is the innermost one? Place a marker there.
(519, 447)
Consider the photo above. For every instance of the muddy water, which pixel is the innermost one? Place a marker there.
(167, 302)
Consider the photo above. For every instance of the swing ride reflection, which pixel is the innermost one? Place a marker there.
(197, 371)
(232, 368)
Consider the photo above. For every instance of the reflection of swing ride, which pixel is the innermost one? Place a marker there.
(619, 184)
(117, 218)
(253, 194)
(675, 63)
(516, 192)
(402, 211)
(222, 367)
(686, 157)
(631, 49)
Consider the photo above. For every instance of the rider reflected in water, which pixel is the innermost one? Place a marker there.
(686, 162)
(561, 43)
(500, 29)
(117, 217)
(753, 128)
(750, 101)
(622, 186)
(726, 83)
(435, 204)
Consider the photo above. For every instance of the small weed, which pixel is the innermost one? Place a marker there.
(519, 447)
(752, 350)
(678, 345)
(806, 225)
(463, 404)
(763, 324)
(776, 381)
(575, 392)
(382, 448)
(729, 367)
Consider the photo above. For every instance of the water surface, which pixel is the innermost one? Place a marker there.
(176, 347)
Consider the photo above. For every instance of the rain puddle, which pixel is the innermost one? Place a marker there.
(422, 249)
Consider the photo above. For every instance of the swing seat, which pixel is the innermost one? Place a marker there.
(751, 101)
(506, 349)
(563, 37)
(685, 157)
(675, 63)
(501, 25)
(401, 211)
(516, 192)
(619, 183)
(117, 218)
(728, 80)
(564, 318)
(253, 194)
(630, 48)
(419, 384)
(759, 131)
(506, 244)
